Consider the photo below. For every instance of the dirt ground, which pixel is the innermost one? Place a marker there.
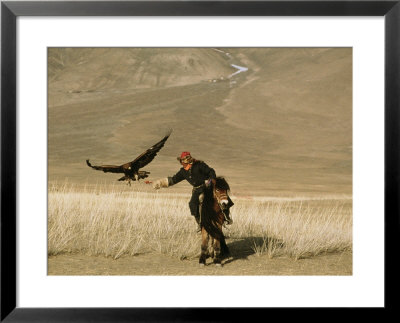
(243, 264)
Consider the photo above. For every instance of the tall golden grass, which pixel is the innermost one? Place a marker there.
(109, 222)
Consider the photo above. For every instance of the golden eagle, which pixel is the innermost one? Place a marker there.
(131, 169)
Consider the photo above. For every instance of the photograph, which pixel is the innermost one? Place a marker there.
(157, 152)
(212, 161)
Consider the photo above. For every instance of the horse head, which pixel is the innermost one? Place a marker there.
(221, 189)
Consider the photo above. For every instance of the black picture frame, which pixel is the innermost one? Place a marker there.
(10, 10)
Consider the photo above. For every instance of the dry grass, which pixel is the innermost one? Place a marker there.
(108, 222)
(297, 228)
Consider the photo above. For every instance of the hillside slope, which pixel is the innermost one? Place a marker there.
(76, 74)
(284, 126)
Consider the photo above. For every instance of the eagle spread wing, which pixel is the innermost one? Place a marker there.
(142, 160)
(147, 156)
(106, 168)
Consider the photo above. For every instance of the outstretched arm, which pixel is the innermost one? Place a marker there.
(178, 177)
(169, 181)
(160, 183)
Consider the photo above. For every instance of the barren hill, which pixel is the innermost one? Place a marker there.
(284, 126)
(75, 73)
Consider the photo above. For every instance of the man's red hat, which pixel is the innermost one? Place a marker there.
(184, 154)
(185, 157)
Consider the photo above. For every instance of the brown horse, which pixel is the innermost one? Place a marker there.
(213, 206)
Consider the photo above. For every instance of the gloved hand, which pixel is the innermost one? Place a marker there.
(208, 182)
(160, 183)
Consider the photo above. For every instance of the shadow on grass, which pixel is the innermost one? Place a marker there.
(241, 249)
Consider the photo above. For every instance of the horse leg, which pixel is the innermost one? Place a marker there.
(217, 246)
(212, 254)
(204, 247)
(217, 252)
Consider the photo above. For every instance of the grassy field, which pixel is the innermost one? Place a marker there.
(115, 223)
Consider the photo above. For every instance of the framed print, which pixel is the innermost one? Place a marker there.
(167, 161)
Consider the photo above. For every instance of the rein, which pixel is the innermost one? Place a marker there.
(219, 203)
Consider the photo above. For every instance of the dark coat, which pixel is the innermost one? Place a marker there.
(196, 175)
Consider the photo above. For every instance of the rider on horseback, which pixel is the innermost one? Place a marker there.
(200, 176)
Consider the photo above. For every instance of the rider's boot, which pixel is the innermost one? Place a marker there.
(198, 215)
